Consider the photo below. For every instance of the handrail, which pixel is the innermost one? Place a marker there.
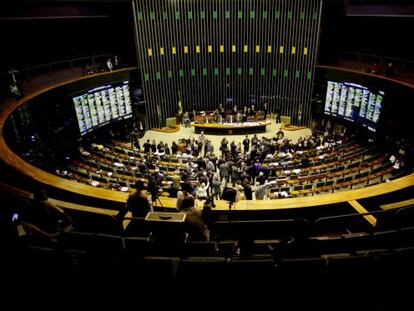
(397, 205)
(48, 66)
(394, 59)
(63, 204)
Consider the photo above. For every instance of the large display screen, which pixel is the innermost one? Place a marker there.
(102, 105)
(354, 102)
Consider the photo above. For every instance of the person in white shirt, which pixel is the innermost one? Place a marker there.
(261, 191)
(202, 191)
(12, 73)
(15, 91)
(109, 64)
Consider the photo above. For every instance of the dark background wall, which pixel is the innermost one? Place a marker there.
(34, 32)
(378, 27)
(174, 53)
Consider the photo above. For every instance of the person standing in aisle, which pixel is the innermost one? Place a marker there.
(109, 64)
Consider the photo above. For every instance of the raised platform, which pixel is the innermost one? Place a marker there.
(231, 128)
(288, 127)
(167, 129)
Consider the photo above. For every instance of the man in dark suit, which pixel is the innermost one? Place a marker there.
(224, 172)
(278, 113)
(265, 110)
(246, 144)
(138, 203)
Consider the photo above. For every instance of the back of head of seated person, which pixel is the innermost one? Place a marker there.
(138, 203)
(44, 219)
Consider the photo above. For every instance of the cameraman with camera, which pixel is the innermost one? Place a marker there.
(197, 227)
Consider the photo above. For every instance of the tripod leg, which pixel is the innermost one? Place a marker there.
(159, 201)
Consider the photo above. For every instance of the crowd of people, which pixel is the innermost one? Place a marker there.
(239, 167)
(226, 115)
(249, 168)
(109, 65)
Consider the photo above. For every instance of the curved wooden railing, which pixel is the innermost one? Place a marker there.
(13, 160)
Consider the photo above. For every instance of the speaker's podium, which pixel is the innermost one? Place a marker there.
(285, 120)
(167, 228)
(171, 122)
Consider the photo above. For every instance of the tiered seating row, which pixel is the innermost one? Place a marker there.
(103, 173)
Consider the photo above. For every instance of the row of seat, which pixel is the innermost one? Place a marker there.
(360, 266)
(121, 180)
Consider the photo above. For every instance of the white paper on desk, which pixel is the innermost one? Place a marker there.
(124, 189)
(94, 183)
(110, 173)
(118, 164)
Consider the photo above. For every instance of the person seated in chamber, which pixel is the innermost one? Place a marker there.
(239, 117)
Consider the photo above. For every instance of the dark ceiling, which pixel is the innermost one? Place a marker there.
(35, 31)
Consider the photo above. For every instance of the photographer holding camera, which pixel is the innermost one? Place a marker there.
(197, 227)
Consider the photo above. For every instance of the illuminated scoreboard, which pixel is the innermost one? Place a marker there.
(354, 102)
(102, 105)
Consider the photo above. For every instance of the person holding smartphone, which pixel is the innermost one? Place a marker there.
(45, 220)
